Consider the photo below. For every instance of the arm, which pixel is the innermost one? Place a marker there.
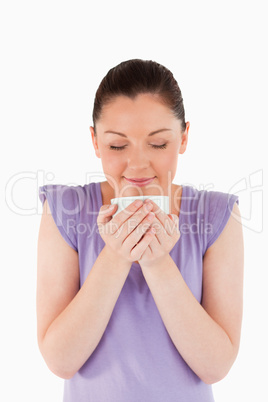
(71, 322)
(207, 336)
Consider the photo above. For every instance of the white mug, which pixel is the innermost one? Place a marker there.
(161, 200)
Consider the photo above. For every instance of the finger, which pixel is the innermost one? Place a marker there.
(160, 231)
(156, 208)
(136, 226)
(130, 224)
(105, 213)
(167, 222)
(176, 221)
(125, 214)
(140, 247)
(147, 254)
(154, 244)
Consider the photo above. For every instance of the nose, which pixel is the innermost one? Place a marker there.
(138, 160)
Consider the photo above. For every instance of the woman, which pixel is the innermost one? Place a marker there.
(141, 305)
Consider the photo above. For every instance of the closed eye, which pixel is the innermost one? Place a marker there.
(163, 146)
(160, 146)
(117, 148)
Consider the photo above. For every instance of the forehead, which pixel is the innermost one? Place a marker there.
(144, 109)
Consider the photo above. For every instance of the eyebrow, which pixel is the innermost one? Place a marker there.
(149, 135)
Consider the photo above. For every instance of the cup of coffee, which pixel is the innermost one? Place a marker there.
(161, 200)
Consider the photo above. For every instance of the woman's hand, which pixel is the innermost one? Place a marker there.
(166, 236)
(128, 234)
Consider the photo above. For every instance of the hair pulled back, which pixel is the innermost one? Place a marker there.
(134, 77)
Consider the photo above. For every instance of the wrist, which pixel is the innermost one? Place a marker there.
(114, 259)
(157, 264)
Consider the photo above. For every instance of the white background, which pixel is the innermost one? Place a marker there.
(54, 54)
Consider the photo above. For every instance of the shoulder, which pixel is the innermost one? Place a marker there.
(64, 195)
(209, 210)
(202, 199)
(68, 205)
(69, 198)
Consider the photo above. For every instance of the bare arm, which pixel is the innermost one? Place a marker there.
(71, 322)
(208, 335)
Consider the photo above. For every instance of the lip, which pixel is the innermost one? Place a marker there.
(140, 182)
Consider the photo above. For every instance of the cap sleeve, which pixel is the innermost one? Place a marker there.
(220, 206)
(64, 206)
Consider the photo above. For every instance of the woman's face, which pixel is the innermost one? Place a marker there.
(139, 139)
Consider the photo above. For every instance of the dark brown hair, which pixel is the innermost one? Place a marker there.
(134, 77)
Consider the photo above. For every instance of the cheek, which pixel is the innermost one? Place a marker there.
(168, 160)
(112, 162)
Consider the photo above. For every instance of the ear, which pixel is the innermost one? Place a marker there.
(184, 141)
(94, 142)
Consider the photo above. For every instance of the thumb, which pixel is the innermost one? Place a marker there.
(105, 213)
(174, 217)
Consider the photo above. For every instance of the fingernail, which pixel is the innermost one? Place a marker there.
(138, 203)
(149, 206)
(151, 216)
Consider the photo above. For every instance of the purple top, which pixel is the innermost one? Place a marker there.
(135, 359)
